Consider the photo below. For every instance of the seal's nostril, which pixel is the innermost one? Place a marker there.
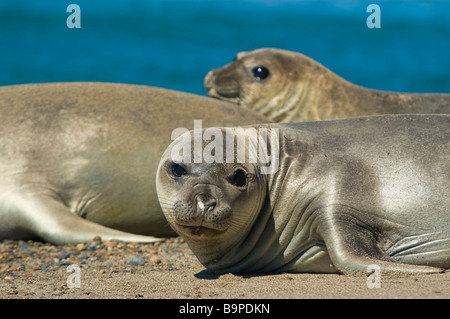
(211, 207)
(206, 204)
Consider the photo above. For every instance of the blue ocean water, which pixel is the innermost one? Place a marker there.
(174, 43)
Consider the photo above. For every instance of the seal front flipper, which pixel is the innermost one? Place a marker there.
(354, 245)
(50, 220)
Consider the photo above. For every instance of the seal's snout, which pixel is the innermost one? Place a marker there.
(205, 204)
(222, 83)
(209, 79)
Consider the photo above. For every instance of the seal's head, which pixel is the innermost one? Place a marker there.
(211, 205)
(264, 80)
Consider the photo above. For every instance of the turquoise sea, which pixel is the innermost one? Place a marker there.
(174, 43)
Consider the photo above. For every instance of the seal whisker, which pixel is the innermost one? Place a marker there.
(166, 201)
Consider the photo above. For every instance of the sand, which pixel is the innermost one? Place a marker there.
(169, 270)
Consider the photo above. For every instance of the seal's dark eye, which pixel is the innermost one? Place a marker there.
(238, 178)
(260, 72)
(177, 170)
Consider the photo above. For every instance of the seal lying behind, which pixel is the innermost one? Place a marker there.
(347, 193)
(76, 157)
(288, 87)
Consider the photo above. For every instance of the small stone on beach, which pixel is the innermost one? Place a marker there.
(136, 261)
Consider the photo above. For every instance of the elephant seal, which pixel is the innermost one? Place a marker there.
(286, 86)
(79, 159)
(347, 194)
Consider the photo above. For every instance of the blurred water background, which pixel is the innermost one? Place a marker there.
(174, 43)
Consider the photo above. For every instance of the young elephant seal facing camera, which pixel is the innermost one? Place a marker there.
(345, 194)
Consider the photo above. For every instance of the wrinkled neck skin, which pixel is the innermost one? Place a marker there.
(279, 235)
(300, 96)
(285, 103)
(328, 96)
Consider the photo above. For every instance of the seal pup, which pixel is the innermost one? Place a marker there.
(79, 160)
(345, 194)
(286, 86)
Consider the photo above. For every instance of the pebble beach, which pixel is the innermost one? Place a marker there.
(169, 270)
